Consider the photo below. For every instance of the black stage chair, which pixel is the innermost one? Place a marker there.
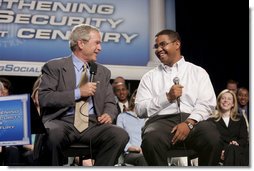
(74, 150)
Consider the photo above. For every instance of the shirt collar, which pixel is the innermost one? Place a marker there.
(177, 65)
(78, 63)
(131, 113)
(126, 103)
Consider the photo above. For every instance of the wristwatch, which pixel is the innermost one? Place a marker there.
(189, 124)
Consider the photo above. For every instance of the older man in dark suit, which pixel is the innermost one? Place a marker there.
(60, 92)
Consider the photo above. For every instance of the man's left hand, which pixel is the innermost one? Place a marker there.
(105, 118)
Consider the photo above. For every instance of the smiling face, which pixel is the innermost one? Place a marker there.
(121, 92)
(85, 42)
(167, 50)
(226, 102)
(91, 48)
(243, 97)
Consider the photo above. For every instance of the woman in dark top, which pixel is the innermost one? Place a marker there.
(232, 128)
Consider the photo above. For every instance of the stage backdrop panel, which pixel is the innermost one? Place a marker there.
(35, 31)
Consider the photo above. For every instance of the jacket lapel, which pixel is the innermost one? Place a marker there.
(222, 123)
(69, 74)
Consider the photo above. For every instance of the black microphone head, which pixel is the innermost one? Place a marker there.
(93, 68)
(176, 80)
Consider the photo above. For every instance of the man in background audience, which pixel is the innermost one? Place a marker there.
(232, 85)
(243, 100)
(117, 80)
(121, 94)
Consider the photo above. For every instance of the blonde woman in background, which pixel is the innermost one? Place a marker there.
(232, 128)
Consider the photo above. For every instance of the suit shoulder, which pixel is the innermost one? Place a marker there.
(103, 68)
(61, 61)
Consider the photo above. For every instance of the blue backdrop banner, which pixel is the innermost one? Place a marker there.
(37, 30)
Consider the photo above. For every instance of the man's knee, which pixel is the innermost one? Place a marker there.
(211, 135)
(151, 138)
(55, 137)
(119, 135)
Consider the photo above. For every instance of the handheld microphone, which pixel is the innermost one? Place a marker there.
(176, 82)
(93, 70)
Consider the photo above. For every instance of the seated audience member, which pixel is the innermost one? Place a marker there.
(15, 155)
(121, 92)
(6, 91)
(129, 121)
(243, 101)
(232, 129)
(118, 80)
(232, 85)
(11, 154)
(243, 109)
(76, 108)
(1, 89)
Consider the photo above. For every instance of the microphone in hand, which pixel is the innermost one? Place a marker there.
(176, 82)
(93, 70)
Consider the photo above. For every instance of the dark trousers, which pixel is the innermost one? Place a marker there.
(107, 141)
(235, 156)
(17, 156)
(12, 156)
(156, 140)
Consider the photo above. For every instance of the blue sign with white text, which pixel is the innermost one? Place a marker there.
(15, 120)
(38, 30)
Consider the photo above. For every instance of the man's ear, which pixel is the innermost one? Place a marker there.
(80, 44)
(178, 44)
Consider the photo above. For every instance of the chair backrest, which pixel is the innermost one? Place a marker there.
(37, 127)
(74, 150)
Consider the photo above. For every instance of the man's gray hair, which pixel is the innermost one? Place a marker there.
(80, 32)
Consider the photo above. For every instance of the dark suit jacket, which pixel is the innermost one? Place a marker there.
(118, 108)
(56, 93)
(236, 131)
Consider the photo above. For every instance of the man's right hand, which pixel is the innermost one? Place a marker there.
(174, 92)
(88, 89)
